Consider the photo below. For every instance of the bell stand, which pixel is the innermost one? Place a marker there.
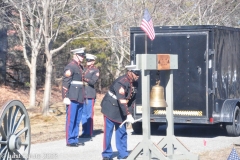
(147, 62)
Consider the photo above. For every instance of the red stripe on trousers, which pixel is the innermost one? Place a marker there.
(91, 123)
(104, 133)
(68, 122)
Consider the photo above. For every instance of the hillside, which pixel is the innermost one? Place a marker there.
(45, 128)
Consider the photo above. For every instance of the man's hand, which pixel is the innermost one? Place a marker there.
(66, 101)
(130, 119)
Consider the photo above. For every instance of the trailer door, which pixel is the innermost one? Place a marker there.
(190, 79)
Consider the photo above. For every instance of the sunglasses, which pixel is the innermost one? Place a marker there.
(137, 73)
(89, 60)
(82, 55)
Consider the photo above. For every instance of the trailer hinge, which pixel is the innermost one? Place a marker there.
(211, 52)
(133, 57)
(132, 53)
(210, 91)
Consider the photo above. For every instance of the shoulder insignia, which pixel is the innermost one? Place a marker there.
(68, 73)
(97, 74)
(121, 91)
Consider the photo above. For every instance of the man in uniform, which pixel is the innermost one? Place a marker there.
(91, 75)
(73, 96)
(117, 106)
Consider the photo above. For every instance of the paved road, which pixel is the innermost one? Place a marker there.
(192, 137)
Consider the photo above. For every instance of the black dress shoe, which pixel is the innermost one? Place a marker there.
(123, 158)
(87, 136)
(73, 145)
(81, 143)
(81, 136)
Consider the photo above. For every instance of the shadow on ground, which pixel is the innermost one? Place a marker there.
(204, 131)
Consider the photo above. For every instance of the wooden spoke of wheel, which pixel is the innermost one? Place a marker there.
(15, 132)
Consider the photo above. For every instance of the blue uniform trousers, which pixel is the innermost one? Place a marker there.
(121, 139)
(87, 117)
(73, 118)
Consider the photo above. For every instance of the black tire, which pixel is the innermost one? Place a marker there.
(233, 129)
(137, 127)
(154, 126)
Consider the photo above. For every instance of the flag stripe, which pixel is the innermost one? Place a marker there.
(148, 29)
(147, 25)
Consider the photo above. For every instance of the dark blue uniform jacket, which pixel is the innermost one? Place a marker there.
(73, 72)
(91, 75)
(117, 107)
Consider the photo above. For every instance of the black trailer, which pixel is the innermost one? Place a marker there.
(207, 81)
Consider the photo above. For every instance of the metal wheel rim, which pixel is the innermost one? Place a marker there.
(237, 120)
(15, 139)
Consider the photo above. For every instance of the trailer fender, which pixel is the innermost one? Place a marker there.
(228, 108)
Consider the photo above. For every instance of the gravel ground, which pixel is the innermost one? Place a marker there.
(204, 139)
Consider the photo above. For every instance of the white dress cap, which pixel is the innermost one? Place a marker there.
(78, 50)
(90, 56)
(131, 67)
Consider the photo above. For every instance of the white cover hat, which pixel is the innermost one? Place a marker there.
(78, 50)
(131, 67)
(90, 56)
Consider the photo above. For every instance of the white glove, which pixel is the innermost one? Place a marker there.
(130, 119)
(66, 101)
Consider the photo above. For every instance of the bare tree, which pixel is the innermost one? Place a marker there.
(57, 16)
(53, 11)
(109, 21)
(25, 19)
(3, 46)
(121, 15)
(199, 12)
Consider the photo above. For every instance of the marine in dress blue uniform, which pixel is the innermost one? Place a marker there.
(91, 75)
(117, 106)
(73, 96)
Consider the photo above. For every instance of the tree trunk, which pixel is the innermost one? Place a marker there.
(3, 51)
(48, 84)
(100, 85)
(33, 82)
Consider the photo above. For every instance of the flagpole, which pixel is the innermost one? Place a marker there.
(145, 44)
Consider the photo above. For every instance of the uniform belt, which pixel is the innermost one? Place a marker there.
(112, 95)
(79, 82)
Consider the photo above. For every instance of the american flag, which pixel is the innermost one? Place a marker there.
(147, 25)
(233, 155)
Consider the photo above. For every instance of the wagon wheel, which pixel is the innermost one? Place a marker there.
(15, 132)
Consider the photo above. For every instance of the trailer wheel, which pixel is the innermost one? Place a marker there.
(233, 129)
(137, 127)
(15, 140)
(154, 126)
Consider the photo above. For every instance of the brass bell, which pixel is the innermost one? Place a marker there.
(157, 96)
